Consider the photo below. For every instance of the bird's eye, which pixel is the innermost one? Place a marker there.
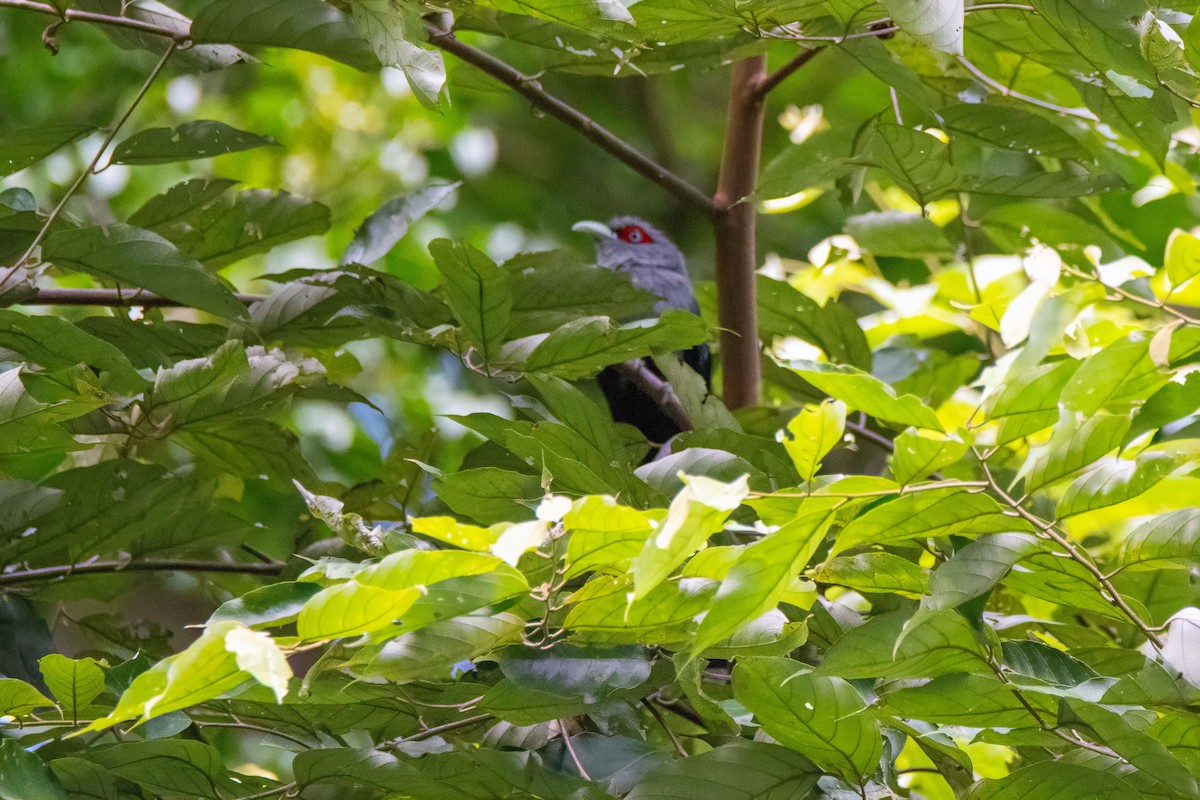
(634, 235)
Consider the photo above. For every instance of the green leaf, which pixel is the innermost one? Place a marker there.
(24, 776)
(24, 146)
(1115, 481)
(272, 605)
(1077, 442)
(298, 24)
(874, 572)
(389, 223)
(436, 651)
(569, 670)
(1010, 128)
(172, 767)
(1183, 255)
(1051, 780)
(868, 394)
(976, 569)
(479, 293)
(898, 233)
(581, 348)
(761, 574)
(396, 32)
(1028, 402)
(937, 23)
(1167, 539)
(916, 161)
(223, 231)
(54, 343)
(822, 718)
(602, 611)
(1117, 379)
(977, 700)
(923, 515)
(176, 205)
(921, 453)
(784, 311)
(696, 513)
(943, 644)
(18, 698)
(739, 770)
(525, 706)
(409, 568)
(349, 609)
(488, 494)
(74, 682)
(811, 434)
(135, 257)
(258, 655)
(198, 138)
(1137, 747)
(605, 535)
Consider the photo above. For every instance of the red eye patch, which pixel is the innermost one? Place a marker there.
(634, 235)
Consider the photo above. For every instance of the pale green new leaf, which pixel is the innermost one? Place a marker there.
(874, 572)
(920, 453)
(18, 698)
(761, 574)
(350, 608)
(1183, 255)
(75, 683)
(868, 394)
(923, 515)
(811, 434)
(696, 513)
(1115, 481)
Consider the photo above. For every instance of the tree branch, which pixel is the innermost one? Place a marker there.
(531, 89)
(72, 15)
(737, 256)
(656, 388)
(113, 297)
(786, 71)
(148, 565)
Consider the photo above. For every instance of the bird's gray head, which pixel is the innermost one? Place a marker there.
(652, 261)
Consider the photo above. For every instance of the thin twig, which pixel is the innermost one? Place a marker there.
(971, 486)
(75, 15)
(148, 565)
(787, 70)
(83, 176)
(278, 790)
(258, 728)
(113, 297)
(1130, 296)
(531, 89)
(877, 439)
(465, 722)
(1110, 593)
(662, 723)
(1078, 113)
(566, 737)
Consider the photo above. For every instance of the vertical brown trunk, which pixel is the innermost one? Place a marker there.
(735, 222)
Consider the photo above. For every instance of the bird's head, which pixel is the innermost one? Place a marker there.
(629, 244)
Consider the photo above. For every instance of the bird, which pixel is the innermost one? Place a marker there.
(654, 264)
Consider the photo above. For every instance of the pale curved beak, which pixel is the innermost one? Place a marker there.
(597, 229)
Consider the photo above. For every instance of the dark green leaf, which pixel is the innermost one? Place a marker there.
(22, 147)
(299, 24)
(200, 138)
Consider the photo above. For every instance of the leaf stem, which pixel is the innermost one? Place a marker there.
(566, 737)
(113, 297)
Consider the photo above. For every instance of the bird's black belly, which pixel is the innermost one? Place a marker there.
(629, 404)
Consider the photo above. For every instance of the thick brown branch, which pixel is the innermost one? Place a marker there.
(112, 297)
(737, 256)
(146, 565)
(72, 15)
(657, 389)
(528, 87)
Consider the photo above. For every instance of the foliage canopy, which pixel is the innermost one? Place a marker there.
(952, 553)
